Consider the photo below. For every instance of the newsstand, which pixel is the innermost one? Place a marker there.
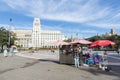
(66, 55)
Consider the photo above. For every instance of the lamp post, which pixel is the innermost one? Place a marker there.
(36, 40)
(77, 35)
(9, 40)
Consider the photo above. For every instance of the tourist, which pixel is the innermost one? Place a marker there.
(0, 49)
(76, 54)
(10, 51)
(52, 50)
(118, 51)
(5, 52)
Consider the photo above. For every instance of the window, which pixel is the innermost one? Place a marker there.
(27, 35)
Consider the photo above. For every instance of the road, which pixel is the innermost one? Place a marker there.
(114, 62)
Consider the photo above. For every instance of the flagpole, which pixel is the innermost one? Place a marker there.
(9, 42)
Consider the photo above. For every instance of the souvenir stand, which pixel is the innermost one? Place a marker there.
(103, 64)
(66, 55)
(66, 51)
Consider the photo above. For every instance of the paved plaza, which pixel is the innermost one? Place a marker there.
(44, 65)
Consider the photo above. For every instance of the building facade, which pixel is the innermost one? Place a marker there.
(111, 33)
(36, 37)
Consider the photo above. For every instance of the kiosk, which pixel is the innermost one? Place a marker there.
(66, 51)
(66, 55)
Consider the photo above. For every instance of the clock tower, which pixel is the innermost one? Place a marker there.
(36, 33)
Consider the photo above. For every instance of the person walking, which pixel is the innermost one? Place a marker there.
(76, 54)
(5, 52)
(118, 51)
(11, 51)
(0, 49)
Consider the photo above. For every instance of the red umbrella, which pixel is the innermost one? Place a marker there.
(81, 41)
(59, 42)
(102, 43)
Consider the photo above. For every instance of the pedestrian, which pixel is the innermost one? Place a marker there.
(76, 54)
(5, 52)
(0, 49)
(52, 50)
(10, 51)
(118, 51)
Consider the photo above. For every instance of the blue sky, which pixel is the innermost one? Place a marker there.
(83, 17)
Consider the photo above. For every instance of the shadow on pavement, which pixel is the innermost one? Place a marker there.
(1, 72)
(93, 70)
(29, 64)
(47, 60)
(98, 72)
(38, 61)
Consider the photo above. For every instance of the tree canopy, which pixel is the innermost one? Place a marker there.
(4, 37)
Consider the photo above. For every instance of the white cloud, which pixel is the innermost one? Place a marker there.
(46, 27)
(18, 4)
(105, 25)
(89, 31)
(5, 26)
(21, 27)
(116, 16)
(89, 12)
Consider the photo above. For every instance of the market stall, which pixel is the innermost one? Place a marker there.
(103, 64)
(66, 55)
(66, 51)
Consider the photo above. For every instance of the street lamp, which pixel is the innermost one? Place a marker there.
(77, 35)
(10, 32)
(36, 40)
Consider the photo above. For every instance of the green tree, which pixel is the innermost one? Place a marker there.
(94, 38)
(4, 37)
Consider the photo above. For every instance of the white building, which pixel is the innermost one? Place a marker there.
(37, 38)
(111, 33)
(36, 33)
